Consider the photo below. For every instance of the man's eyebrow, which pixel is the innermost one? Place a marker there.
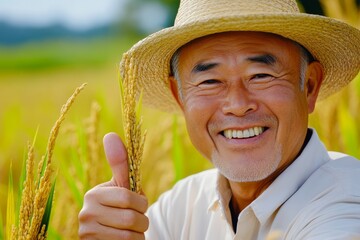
(202, 67)
(267, 59)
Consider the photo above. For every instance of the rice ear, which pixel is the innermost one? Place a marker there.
(134, 137)
(38, 190)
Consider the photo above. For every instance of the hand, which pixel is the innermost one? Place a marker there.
(111, 210)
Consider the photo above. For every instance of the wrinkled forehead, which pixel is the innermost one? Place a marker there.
(246, 35)
(266, 40)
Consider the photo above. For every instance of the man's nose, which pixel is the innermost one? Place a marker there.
(239, 101)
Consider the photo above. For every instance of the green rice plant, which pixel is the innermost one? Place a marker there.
(10, 216)
(1, 226)
(31, 221)
(84, 168)
(337, 117)
(347, 124)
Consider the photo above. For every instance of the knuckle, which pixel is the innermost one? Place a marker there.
(86, 214)
(145, 205)
(147, 223)
(130, 218)
(125, 198)
(90, 195)
(126, 235)
(129, 235)
(83, 215)
(85, 232)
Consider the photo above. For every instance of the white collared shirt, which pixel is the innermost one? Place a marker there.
(316, 197)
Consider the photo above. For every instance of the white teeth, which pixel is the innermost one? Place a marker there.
(246, 133)
(250, 132)
(227, 134)
(234, 134)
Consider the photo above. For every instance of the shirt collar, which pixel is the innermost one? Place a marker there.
(223, 194)
(285, 185)
(288, 182)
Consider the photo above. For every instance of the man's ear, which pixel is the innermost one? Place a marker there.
(175, 90)
(313, 80)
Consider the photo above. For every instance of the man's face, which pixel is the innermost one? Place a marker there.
(243, 103)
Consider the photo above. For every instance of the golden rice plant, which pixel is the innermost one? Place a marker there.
(84, 169)
(38, 188)
(94, 168)
(134, 137)
(338, 116)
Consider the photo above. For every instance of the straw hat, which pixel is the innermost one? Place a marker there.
(333, 43)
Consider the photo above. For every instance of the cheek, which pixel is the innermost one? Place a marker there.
(291, 110)
(198, 113)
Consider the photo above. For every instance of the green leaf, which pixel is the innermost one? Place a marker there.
(53, 234)
(46, 217)
(1, 226)
(10, 211)
(347, 128)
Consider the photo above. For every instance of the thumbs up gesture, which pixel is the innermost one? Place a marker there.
(111, 210)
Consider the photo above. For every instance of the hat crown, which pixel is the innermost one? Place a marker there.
(199, 10)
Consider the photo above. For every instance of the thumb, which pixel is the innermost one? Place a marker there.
(116, 155)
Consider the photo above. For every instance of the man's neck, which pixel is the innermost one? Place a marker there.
(244, 193)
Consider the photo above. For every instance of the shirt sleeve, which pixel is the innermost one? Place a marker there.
(167, 214)
(182, 212)
(339, 221)
(158, 227)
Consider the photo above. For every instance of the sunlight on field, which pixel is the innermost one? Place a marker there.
(31, 98)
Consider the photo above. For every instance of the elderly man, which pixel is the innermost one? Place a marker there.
(245, 74)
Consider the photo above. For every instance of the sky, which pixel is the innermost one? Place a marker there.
(74, 14)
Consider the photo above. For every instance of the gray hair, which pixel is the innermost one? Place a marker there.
(174, 66)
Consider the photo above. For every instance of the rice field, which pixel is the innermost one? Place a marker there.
(31, 98)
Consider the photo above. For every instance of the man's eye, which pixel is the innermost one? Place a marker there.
(209, 81)
(261, 76)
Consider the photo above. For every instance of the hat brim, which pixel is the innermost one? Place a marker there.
(335, 44)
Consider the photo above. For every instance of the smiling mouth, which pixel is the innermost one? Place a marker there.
(241, 134)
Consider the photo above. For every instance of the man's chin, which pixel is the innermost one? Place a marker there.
(247, 170)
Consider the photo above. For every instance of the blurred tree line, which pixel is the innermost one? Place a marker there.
(130, 24)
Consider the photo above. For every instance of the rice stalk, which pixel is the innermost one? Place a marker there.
(338, 119)
(28, 192)
(93, 145)
(134, 138)
(37, 194)
(83, 170)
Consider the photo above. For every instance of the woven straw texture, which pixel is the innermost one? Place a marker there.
(334, 43)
